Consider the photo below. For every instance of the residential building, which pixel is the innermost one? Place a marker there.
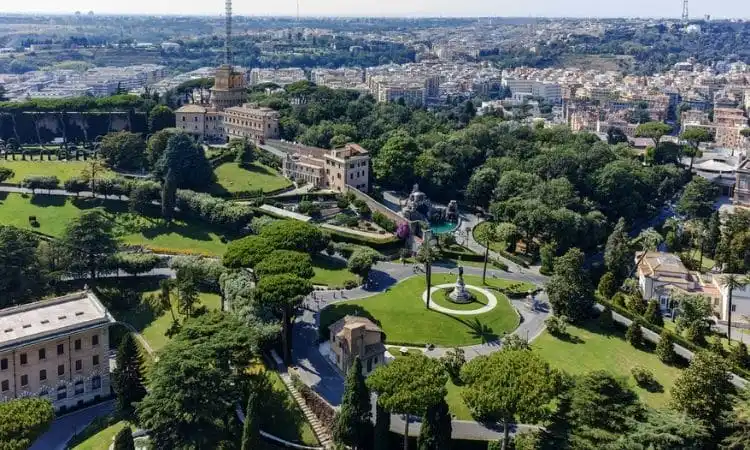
(353, 336)
(327, 169)
(56, 349)
(742, 184)
(250, 121)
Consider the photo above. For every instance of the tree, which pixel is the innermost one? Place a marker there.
(251, 439)
(694, 137)
(616, 136)
(600, 407)
(665, 430)
(653, 313)
(76, 185)
(409, 386)
(570, 291)
(123, 150)
(665, 348)
(137, 263)
(21, 274)
(127, 379)
(634, 334)
(6, 174)
(697, 201)
(618, 255)
(508, 233)
(480, 187)
(159, 118)
(286, 261)
(88, 244)
(195, 384)
(168, 196)
(91, 172)
(186, 284)
(509, 385)
(738, 356)
(124, 439)
(361, 262)
(23, 420)
(547, 255)
(713, 234)
(283, 294)
(738, 424)
(353, 426)
(246, 252)
(294, 235)
(187, 161)
(730, 283)
(382, 432)
(437, 427)
(244, 150)
(453, 361)
(649, 240)
(703, 390)
(654, 131)
(693, 317)
(607, 287)
(394, 163)
(157, 145)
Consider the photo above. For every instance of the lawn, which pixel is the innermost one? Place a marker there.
(331, 272)
(589, 349)
(230, 177)
(54, 212)
(402, 315)
(100, 438)
(440, 297)
(61, 169)
(283, 418)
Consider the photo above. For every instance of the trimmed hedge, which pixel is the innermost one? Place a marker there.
(391, 242)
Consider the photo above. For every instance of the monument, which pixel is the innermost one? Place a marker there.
(459, 294)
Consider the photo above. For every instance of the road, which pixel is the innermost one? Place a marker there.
(65, 427)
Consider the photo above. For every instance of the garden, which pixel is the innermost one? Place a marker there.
(401, 313)
(231, 178)
(63, 170)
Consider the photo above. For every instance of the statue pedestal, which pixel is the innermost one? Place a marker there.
(460, 294)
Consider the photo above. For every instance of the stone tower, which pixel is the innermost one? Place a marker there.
(229, 85)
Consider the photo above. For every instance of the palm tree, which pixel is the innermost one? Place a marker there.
(698, 232)
(732, 282)
(427, 255)
(650, 240)
(490, 236)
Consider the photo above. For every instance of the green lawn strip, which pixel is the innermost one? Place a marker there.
(456, 404)
(98, 435)
(230, 177)
(589, 350)
(282, 416)
(405, 320)
(331, 272)
(440, 297)
(54, 212)
(63, 170)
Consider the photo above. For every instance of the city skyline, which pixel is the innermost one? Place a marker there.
(401, 8)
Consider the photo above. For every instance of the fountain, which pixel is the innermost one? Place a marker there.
(459, 294)
(440, 218)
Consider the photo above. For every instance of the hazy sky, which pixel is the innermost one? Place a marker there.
(557, 8)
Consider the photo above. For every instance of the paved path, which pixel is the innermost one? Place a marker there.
(65, 427)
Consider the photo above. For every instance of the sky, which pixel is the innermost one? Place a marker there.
(411, 8)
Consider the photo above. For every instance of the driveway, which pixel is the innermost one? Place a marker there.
(64, 428)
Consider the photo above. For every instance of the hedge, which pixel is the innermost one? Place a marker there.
(391, 242)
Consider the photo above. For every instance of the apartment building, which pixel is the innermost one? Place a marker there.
(327, 169)
(524, 89)
(56, 349)
(282, 77)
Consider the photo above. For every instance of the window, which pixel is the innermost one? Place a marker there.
(24, 380)
(96, 382)
(369, 365)
(183, 118)
(95, 360)
(78, 387)
(62, 392)
(79, 365)
(5, 385)
(77, 344)
(60, 349)
(734, 308)
(42, 354)
(4, 364)
(24, 359)
(42, 375)
(61, 369)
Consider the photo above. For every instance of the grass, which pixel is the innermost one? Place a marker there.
(440, 297)
(402, 315)
(589, 349)
(456, 404)
(232, 178)
(63, 170)
(479, 233)
(331, 272)
(283, 418)
(55, 212)
(100, 434)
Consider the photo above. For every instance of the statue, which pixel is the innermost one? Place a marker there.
(459, 293)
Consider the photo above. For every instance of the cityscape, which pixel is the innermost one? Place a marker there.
(258, 231)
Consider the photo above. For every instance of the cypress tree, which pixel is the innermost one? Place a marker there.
(127, 378)
(634, 335)
(251, 429)
(665, 348)
(382, 428)
(124, 440)
(435, 433)
(653, 313)
(353, 426)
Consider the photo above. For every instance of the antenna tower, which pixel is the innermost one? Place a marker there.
(685, 15)
(228, 37)
(297, 12)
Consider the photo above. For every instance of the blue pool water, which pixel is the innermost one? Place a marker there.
(443, 227)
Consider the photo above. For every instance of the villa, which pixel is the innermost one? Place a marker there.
(353, 336)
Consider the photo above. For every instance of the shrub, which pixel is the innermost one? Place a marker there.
(643, 377)
(665, 348)
(653, 313)
(607, 286)
(738, 355)
(557, 325)
(606, 322)
(515, 342)
(342, 203)
(384, 222)
(137, 263)
(634, 335)
(453, 361)
(40, 182)
(619, 299)
(213, 210)
(309, 208)
(76, 185)
(209, 270)
(635, 304)
(350, 284)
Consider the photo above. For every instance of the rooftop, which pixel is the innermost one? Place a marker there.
(352, 322)
(49, 317)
